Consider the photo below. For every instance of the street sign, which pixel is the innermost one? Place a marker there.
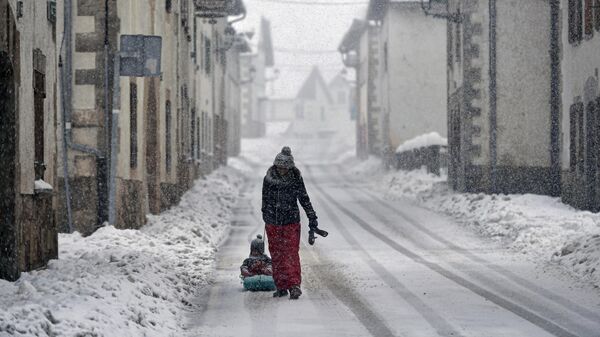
(212, 8)
(140, 55)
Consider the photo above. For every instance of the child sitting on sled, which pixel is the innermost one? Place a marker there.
(256, 270)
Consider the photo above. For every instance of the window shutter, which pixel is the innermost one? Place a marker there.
(597, 14)
(575, 21)
(589, 17)
(573, 138)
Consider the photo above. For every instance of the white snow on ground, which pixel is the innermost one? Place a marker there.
(276, 128)
(540, 227)
(125, 282)
(428, 139)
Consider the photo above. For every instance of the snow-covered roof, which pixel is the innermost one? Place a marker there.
(428, 139)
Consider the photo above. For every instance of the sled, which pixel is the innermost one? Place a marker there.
(259, 283)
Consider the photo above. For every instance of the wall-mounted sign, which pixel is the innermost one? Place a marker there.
(140, 55)
(212, 8)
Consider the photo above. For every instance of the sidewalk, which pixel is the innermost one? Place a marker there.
(540, 227)
(126, 282)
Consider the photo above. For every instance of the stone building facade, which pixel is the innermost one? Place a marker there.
(500, 123)
(172, 128)
(28, 120)
(579, 100)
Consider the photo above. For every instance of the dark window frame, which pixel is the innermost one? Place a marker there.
(458, 43)
(573, 138)
(580, 109)
(207, 55)
(588, 18)
(575, 21)
(168, 135)
(597, 15)
(39, 113)
(133, 129)
(385, 56)
(193, 134)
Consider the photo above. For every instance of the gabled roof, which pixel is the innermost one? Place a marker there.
(313, 82)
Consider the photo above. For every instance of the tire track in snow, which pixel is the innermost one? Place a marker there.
(443, 327)
(494, 285)
(516, 309)
(329, 277)
(557, 299)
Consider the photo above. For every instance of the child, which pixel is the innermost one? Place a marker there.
(257, 270)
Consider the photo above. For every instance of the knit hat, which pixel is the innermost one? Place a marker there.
(284, 159)
(258, 244)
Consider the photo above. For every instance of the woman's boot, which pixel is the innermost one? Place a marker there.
(280, 293)
(295, 292)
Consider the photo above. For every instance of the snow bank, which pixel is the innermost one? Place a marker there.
(540, 227)
(125, 282)
(428, 139)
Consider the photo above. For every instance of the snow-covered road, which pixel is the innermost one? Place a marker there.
(390, 268)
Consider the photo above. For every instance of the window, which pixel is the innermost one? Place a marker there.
(576, 136)
(168, 135)
(133, 105)
(385, 57)
(39, 95)
(588, 23)
(597, 14)
(580, 137)
(207, 52)
(575, 21)
(195, 41)
(193, 134)
(450, 45)
(458, 44)
(168, 6)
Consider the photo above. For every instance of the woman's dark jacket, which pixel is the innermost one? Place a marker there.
(280, 195)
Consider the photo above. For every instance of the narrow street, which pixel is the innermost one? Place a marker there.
(389, 269)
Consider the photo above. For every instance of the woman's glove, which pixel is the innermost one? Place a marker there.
(313, 223)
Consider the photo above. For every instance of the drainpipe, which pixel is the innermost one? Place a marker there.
(103, 168)
(112, 194)
(493, 99)
(67, 97)
(66, 106)
(555, 98)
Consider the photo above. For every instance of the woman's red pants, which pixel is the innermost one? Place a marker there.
(284, 246)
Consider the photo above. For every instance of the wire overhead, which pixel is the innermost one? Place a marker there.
(305, 51)
(316, 3)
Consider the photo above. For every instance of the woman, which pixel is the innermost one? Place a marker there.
(282, 188)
